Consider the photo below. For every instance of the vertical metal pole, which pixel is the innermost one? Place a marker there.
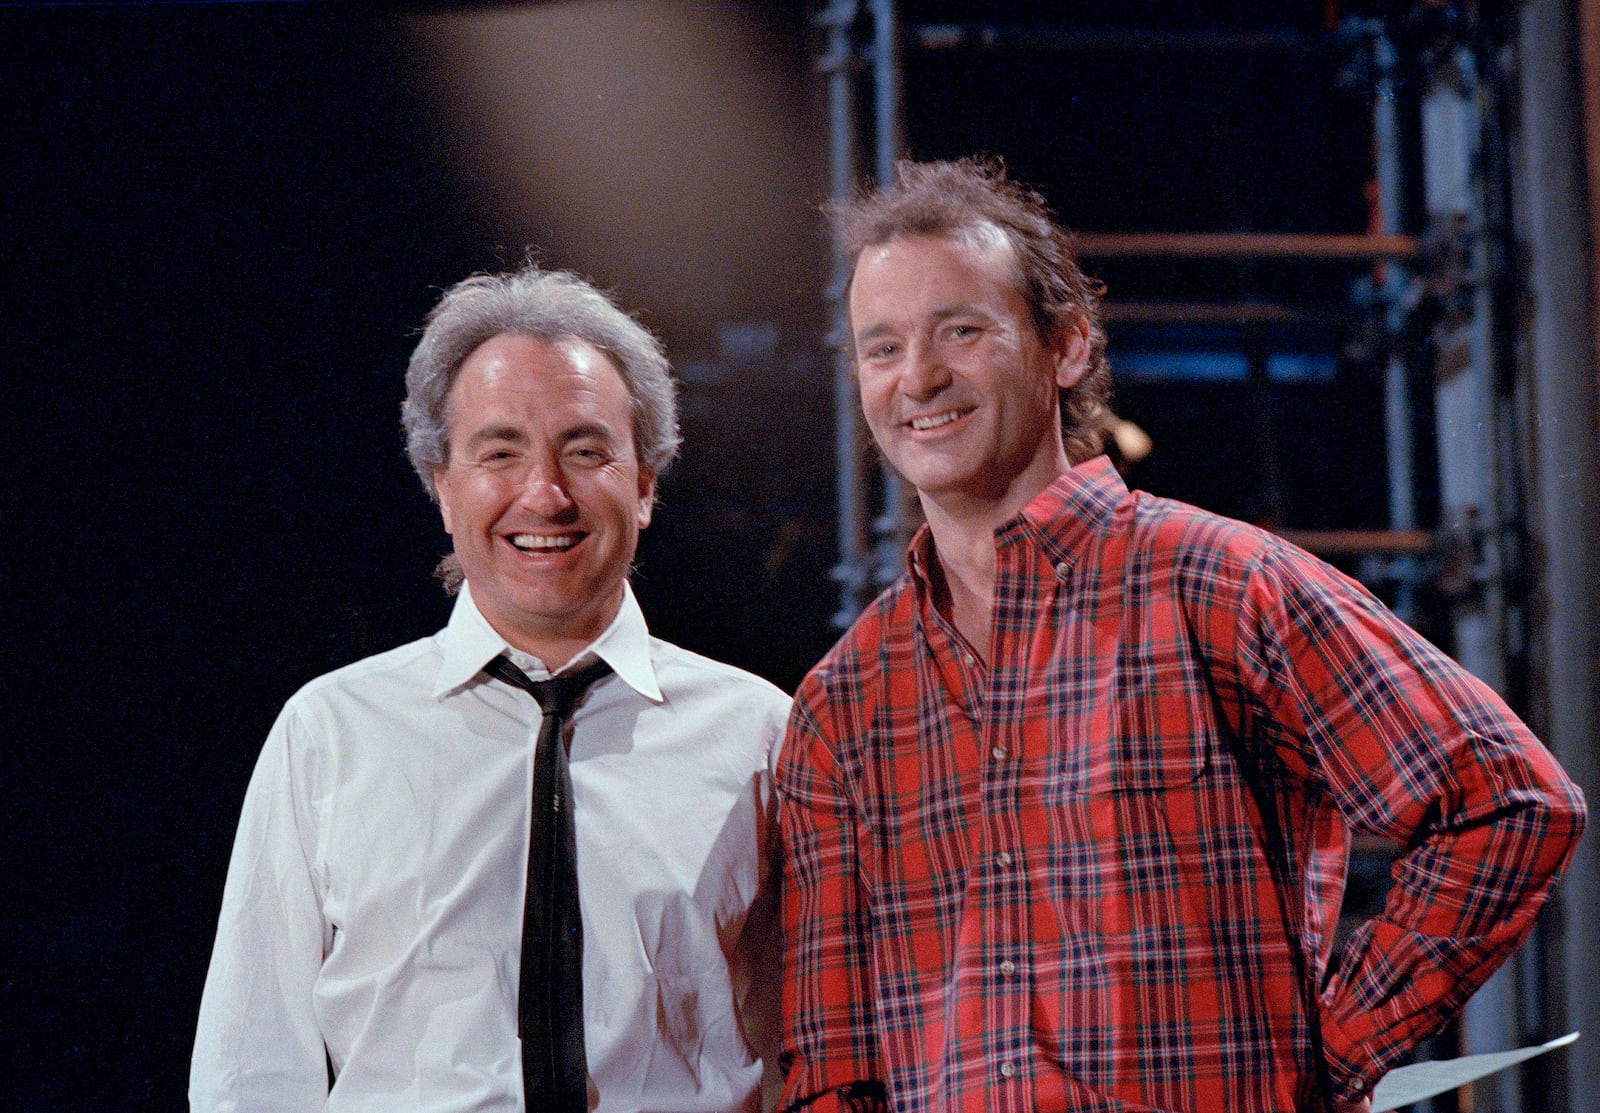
(1399, 426)
(1264, 421)
(893, 525)
(851, 570)
(886, 88)
(1560, 431)
(1460, 186)
(1397, 386)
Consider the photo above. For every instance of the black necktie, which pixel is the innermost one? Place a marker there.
(550, 992)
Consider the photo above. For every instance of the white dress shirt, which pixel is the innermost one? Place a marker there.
(373, 911)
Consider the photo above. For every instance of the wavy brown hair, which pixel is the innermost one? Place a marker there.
(968, 197)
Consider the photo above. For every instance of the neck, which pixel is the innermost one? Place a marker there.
(963, 542)
(555, 653)
(556, 643)
(963, 589)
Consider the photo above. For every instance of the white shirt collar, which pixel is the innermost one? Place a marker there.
(469, 643)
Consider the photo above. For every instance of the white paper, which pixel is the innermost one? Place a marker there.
(1404, 1085)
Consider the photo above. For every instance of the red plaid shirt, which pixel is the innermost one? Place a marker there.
(1103, 872)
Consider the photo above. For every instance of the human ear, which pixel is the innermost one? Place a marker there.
(647, 495)
(1069, 350)
(441, 486)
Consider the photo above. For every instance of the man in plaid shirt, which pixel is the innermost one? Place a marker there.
(1067, 812)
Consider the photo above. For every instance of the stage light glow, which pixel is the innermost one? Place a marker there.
(665, 150)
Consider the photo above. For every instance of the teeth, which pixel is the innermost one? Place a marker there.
(933, 421)
(539, 542)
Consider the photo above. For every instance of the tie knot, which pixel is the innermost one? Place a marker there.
(559, 694)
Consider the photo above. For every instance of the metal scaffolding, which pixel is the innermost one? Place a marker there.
(864, 43)
(1510, 389)
(866, 564)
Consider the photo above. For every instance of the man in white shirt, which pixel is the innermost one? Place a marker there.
(367, 956)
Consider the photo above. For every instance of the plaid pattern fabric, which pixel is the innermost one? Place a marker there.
(1103, 872)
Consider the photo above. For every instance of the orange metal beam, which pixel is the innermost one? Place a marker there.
(1355, 542)
(1243, 245)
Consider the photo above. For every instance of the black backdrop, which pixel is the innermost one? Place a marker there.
(222, 225)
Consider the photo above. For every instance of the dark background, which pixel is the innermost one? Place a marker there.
(223, 224)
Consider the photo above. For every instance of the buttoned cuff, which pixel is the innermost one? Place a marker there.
(1352, 1071)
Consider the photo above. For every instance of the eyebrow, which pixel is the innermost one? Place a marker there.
(490, 433)
(866, 336)
(883, 328)
(510, 434)
(592, 429)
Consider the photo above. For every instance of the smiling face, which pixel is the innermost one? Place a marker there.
(543, 495)
(958, 388)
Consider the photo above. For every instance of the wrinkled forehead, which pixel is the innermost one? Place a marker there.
(982, 243)
(566, 355)
(571, 350)
(980, 234)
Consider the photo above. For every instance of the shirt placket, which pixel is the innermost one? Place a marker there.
(1005, 867)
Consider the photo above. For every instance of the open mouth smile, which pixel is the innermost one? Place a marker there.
(935, 421)
(544, 542)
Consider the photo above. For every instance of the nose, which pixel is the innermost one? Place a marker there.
(924, 373)
(544, 490)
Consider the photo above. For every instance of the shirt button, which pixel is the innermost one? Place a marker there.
(1008, 969)
(970, 661)
(998, 753)
(1061, 570)
(1003, 859)
(1008, 1070)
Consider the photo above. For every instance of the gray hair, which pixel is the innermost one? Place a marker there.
(552, 306)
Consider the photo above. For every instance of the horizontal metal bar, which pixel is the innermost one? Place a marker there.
(1042, 38)
(1242, 245)
(1357, 542)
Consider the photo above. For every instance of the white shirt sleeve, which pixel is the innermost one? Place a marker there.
(258, 1046)
(758, 957)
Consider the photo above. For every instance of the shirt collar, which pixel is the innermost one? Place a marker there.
(469, 643)
(1079, 503)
